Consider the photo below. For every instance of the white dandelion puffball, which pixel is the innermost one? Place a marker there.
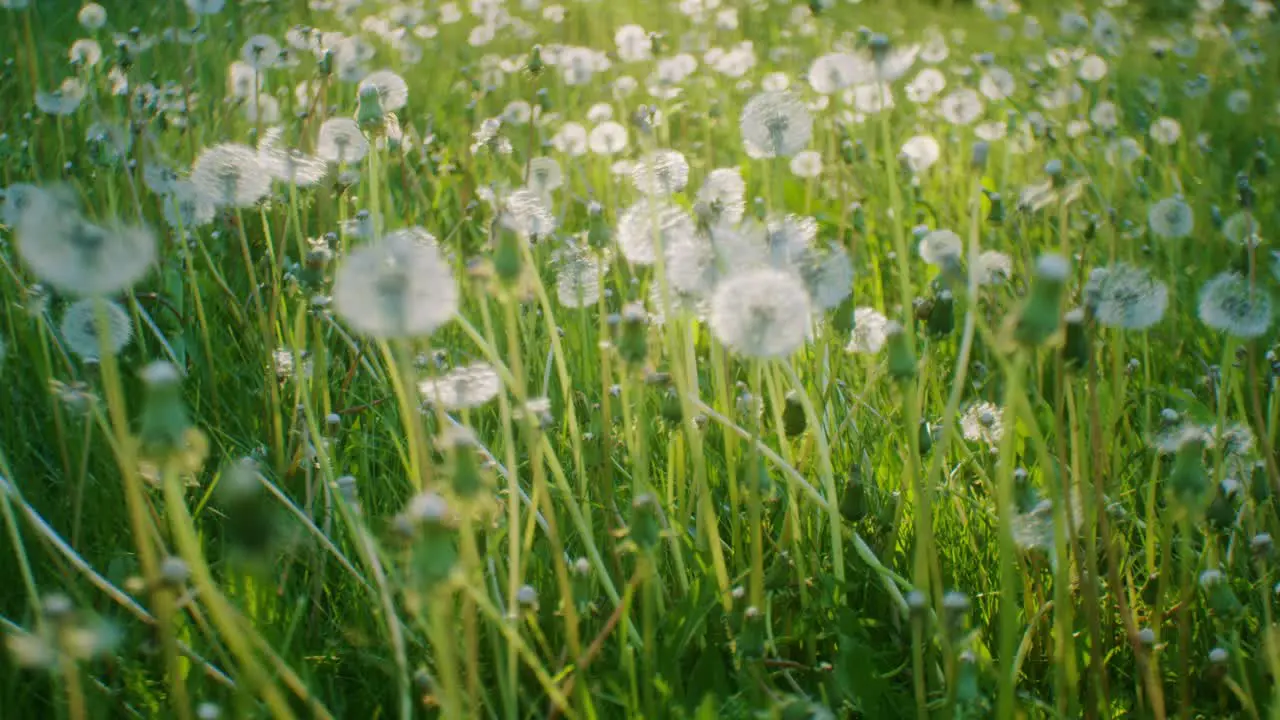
(941, 248)
(870, 331)
(230, 175)
(76, 256)
(462, 388)
(607, 138)
(648, 226)
(921, 152)
(775, 124)
(961, 107)
(80, 328)
(1171, 218)
(393, 92)
(340, 141)
(661, 172)
(762, 313)
(722, 196)
(806, 164)
(398, 287)
(1127, 297)
(982, 422)
(1231, 304)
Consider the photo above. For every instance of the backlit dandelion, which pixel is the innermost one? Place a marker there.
(649, 225)
(340, 141)
(722, 197)
(661, 172)
(392, 90)
(64, 100)
(230, 175)
(1127, 297)
(80, 328)
(763, 313)
(1242, 229)
(608, 138)
(525, 213)
(77, 256)
(1166, 131)
(775, 124)
(1232, 304)
(921, 152)
(545, 175)
(994, 267)
(941, 248)
(806, 164)
(870, 331)
(260, 52)
(578, 272)
(462, 388)
(1171, 218)
(981, 422)
(834, 72)
(395, 288)
(961, 107)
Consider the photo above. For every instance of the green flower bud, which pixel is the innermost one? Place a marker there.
(1042, 313)
(508, 263)
(370, 113)
(1076, 349)
(854, 503)
(793, 417)
(646, 525)
(902, 362)
(633, 336)
(1188, 484)
(164, 423)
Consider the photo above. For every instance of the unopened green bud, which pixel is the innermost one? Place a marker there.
(370, 112)
(902, 361)
(1076, 350)
(164, 423)
(646, 525)
(508, 262)
(633, 336)
(793, 417)
(1042, 313)
(1188, 484)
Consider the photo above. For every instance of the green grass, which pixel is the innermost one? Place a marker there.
(702, 534)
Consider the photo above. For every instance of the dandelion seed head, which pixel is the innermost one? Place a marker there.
(661, 172)
(941, 248)
(1229, 302)
(462, 388)
(78, 257)
(982, 422)
(392, 90)
(396, 287)
(1127, 297)
(763, 313)
(870, 331)
(775, 124)
(650, 225)
(1171, 218)
(80, 330)
(722, 197)
(230, 175)
(340, 141)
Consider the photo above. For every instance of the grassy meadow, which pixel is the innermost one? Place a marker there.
(695, 359)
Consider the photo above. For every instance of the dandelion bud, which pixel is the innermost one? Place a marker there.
(917, 604)
(535, 65)
(508, 262)
(793, 417)
(1259, 485)
(633, 335)
(1188, 484)
(57, 608)
(1262, 546)
(981, 150)
(858, 217)
(1076, 349)
(853, 500)
(164, 423)
(996, 215)
(902, 361)
(1042, 312)
(174, 572)
(370, 113)
(646, 526)
(955, 607)
(251, 522)
(598, 233)
(1261, 164)
(527, 597)
(1147, 637)
(942, 316)
(925, 437)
